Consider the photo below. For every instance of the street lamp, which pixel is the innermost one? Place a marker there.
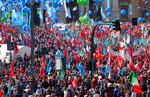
(92, 41)
(92, 48)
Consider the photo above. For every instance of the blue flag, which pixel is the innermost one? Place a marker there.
(67, 64)
(81, 69)
(107, 69)
(101, 70)
(21, 42)
(49, 67)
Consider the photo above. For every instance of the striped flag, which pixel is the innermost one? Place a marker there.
(136, 86)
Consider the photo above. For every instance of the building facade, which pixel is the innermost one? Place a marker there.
(135, 9)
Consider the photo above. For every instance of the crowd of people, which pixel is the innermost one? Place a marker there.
(113, 71)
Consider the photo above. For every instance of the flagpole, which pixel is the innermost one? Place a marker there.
(92, 48)
(32, 36)
(10, 38)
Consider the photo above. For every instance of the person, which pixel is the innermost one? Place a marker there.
(117, 92)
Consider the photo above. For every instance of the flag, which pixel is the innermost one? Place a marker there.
(42, 72)
(102, 70)
(107, 69)
(134, 80)
(81, 69)
(74, 83)
(12, 69)
(9, 88)
(16, 50)
(1, 93)
(131, 67)
(136, 86)
(22, 42)
(83, 35)
(98, 64)
(137, 89)
(67, 64)
(130, 52)
(49, 67)
(119, 61)
(61, 74)
(65, 53)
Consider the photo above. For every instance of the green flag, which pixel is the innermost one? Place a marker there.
(9, 88)
(134, 80)
(61, 74)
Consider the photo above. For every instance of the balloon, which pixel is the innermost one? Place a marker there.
(27, 1)
(90, 12)
(7, 15)
(98, 0)
(140, 19)
(109, 14)
(86, 18)
(123, 12)
(79, 1)
(108, 9)
(3, 19)
(68, 1)
(25, 10)
(22, 4)
(82, 2)
(81, 19)
(148, 14)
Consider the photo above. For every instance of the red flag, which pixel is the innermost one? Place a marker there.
(74, 83)
(25, 40)
(1, 93)
(98, 34)
(111, 57)
(137, 89)
(102, 34)
(42, 72)
(65, 53)
(5, 28)
(131, 67)
(119, 61)
(16, 50)
(12, 69)
(98, 64)
(82, 35)
(119, 48)
(43, 62)
(130, 52)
